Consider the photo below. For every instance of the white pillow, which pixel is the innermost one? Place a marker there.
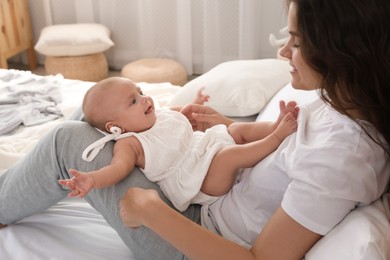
(363, 234)
(73, 39)
(238, 88)
(287, 93)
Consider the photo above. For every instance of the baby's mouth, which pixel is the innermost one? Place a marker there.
(150, 109)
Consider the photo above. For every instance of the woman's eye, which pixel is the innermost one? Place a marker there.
(295, 45)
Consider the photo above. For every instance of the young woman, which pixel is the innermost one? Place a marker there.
(337, 159)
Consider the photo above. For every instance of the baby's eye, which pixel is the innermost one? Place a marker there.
(140, 91)
(133, 101)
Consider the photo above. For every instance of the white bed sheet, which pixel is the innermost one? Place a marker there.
(71, 229)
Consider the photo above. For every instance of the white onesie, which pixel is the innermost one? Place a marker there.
(176, 157)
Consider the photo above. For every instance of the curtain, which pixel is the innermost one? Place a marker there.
(197, 33)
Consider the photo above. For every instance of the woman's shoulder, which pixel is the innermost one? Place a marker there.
(322, 126)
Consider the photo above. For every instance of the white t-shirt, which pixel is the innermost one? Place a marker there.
(318, 175)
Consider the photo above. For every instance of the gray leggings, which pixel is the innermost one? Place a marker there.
(31, 186)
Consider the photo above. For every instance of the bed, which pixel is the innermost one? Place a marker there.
(72, 229)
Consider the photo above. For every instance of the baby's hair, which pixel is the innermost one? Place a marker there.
(94, 99)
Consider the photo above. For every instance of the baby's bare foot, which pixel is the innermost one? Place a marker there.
(290, 107)
(287, 126)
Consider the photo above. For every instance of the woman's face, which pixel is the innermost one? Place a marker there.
(303, 76)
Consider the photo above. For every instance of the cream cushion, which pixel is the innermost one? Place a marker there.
(155, 70)
(73, 39)
(238, 88)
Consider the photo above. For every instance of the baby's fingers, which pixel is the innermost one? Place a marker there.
(68, 183)
(77, 193)
(75, 173)
(65, 183)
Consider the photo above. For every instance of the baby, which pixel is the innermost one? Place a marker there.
(190, 166)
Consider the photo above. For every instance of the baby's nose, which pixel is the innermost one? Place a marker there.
(144, 99)
(147, 99)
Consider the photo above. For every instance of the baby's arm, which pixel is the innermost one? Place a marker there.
(123, 161)
(200, 99)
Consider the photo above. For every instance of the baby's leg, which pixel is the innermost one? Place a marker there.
(222, 172)
(225, 164)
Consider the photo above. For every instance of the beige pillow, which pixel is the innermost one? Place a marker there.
(73, 39)
(238, 88)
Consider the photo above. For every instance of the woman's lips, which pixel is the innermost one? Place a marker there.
(293, 69)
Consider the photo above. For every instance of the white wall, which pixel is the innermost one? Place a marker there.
(270, 18)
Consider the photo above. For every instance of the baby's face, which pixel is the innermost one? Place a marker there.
(133, 111)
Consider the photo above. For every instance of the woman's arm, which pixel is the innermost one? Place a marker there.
(282, 238)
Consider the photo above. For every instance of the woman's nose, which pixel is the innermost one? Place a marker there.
(285, 51)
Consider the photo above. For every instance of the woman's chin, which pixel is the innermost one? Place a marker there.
(297, 84)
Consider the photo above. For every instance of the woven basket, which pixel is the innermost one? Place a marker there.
(92, 67)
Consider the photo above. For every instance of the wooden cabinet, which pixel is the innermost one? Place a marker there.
(16, 32)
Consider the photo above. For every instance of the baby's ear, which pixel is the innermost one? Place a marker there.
(108, 126)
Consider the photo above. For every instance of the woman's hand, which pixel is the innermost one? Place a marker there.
(134, 204)
(204, 117)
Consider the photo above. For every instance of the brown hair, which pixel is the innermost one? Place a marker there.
(348, 43)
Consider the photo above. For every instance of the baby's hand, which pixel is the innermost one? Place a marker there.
(201, 97)
(80, 184)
